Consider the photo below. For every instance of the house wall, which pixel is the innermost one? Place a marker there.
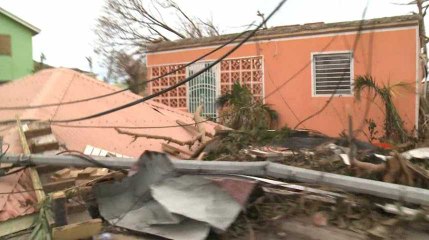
(21, 61)
(389, 55)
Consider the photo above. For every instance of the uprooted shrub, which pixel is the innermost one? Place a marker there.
(393, 124)
(250, 119)
(240, 111)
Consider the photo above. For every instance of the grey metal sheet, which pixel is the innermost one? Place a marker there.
(117, 198)
(129, 203)
(197, 198)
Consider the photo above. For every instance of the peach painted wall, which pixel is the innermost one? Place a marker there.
(389, 55)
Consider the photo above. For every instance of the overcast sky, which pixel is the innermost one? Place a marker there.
(67, 26)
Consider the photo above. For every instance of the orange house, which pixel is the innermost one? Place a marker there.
(303, 71)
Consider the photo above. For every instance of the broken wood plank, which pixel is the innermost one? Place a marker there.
(58, 185)
(81, 230)
(264, 154)
(168, 148)
(17, 224)
(43, 143)
(201, 156)
(62, 173)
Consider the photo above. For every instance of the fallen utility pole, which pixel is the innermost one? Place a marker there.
(258, 169)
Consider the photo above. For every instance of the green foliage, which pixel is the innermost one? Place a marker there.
(372, 129)
(241, 112)
(42, 229)
(393, 124)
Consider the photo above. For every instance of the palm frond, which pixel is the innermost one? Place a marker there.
(393, 124)
(364, 82)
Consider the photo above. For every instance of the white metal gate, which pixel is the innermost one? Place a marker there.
(203, 89)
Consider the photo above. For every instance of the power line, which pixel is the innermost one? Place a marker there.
(130, 104)
(130, 127)
(128, 88)
(342, 79)
(88, 158)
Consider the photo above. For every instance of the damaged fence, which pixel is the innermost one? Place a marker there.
(258, 169)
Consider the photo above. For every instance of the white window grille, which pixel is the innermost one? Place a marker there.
(332, 73)
(203, 89)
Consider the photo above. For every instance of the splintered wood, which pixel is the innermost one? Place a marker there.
(40, 137)
(80, 175)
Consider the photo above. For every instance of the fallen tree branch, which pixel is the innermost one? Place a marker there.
(369, 167)
(189, 143)
(198, 120)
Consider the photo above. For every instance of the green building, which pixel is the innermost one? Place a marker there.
(16, 48)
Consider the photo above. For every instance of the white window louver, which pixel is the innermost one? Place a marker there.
(332, 73)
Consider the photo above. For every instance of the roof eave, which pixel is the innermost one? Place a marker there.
(35, 30)
(200, 43)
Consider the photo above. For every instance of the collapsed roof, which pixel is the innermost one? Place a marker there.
(63, 85)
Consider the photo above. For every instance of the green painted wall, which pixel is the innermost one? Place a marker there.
(21, 61)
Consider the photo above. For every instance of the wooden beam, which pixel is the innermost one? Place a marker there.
(35, 129)
(171, 149)
(82, 230)
(37, 184)
(43, 143)
(17, 224)
(58, 185)
(59, 208)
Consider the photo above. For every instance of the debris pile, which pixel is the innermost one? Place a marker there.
(232, 184)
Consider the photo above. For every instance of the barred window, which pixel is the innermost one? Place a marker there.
(332, 73)
(5, 45)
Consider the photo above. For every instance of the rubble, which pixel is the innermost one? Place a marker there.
(142, 201)
(226, 182)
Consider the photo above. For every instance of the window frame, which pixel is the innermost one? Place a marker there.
(10, 45)
(313, 74)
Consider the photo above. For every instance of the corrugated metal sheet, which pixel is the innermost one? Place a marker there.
(19, 202)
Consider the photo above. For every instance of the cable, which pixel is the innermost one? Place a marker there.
(4, 153)
(14, 171)
(25, 191)
(89, 159)
(128, 88)
(130, 104)
(131, 127)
